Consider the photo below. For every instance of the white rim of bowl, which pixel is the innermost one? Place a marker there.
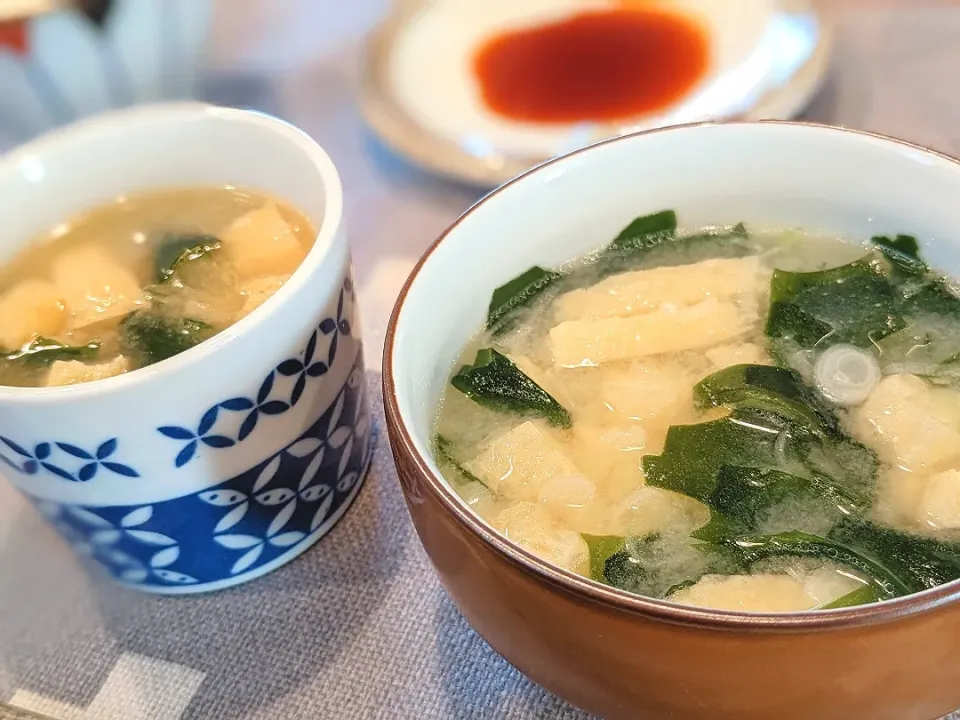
(102, 125)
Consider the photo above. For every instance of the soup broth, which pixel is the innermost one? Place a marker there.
(743, 421)
(141, 279)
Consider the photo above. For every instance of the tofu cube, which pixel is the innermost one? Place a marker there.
(532, 528)
(517, 463)
(641, 291)
(909, 424)
(939, 506)
(752, 593)
(667, 330)
(94, 287)
(257, 291)
(28, 309)
(262, 243)
(73, 372)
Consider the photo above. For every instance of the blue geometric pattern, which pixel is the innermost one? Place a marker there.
(56, 458)
(240, 524)
(279, 391)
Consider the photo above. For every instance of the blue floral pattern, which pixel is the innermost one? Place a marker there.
(280, 390)
(57, 457)
(234, 528)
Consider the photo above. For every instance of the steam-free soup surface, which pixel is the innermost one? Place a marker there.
(141, 279)
(742, 421)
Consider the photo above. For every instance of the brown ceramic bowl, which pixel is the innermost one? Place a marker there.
(609, 652)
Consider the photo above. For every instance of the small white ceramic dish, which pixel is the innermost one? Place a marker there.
(228, 460)
(768, 58)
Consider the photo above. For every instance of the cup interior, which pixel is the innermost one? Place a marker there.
(768, 175)
(153, 147)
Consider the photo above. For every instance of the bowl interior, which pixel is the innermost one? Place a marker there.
(769, 175)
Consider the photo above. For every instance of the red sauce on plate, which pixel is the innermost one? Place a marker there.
(13, 36)
(595, 66)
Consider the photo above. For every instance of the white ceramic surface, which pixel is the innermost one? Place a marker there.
(218, 464)
(769, 175)
(146, 51)
(768, 59)
(431, 68)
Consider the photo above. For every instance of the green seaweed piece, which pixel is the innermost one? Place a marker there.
(149, 338)
(745, 496)
(768, 389)
(755, 548)
(853, 303)
(177, 250)
(935, 296)
(652, 565)
(645, 233)
(845, 461)
(682, 585)
(496, 383)
(903, 252)
(863, 595)
(520, 292)
(693, 454)
(646, 566)
(651, 241)
(718, 529)
(923, 562)
(444, 448)
(602, 548)
(44, 351)
(785, 286)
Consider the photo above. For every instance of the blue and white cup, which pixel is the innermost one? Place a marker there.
(227, 461)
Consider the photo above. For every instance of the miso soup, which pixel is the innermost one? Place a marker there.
(734, 420)
(141, 279)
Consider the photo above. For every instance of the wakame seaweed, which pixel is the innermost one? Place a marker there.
(853, 303)
(756, 548)
(769, 389)
(645, 233)
(903, 253)
(520, 292)
(601, 548)
(746, 496)
(641, 243)
(899, 310)
(693, 454)
(148, 337)
(445, 453)
(176, 250)
(863, 595)
(923, 562)
(496, 383)
(645, 565)
(44, 351)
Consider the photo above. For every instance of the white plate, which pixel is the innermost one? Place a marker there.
(799, 67)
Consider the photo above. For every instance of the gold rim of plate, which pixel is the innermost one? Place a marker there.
(443, 157)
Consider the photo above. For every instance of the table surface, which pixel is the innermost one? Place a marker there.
(359, 627)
